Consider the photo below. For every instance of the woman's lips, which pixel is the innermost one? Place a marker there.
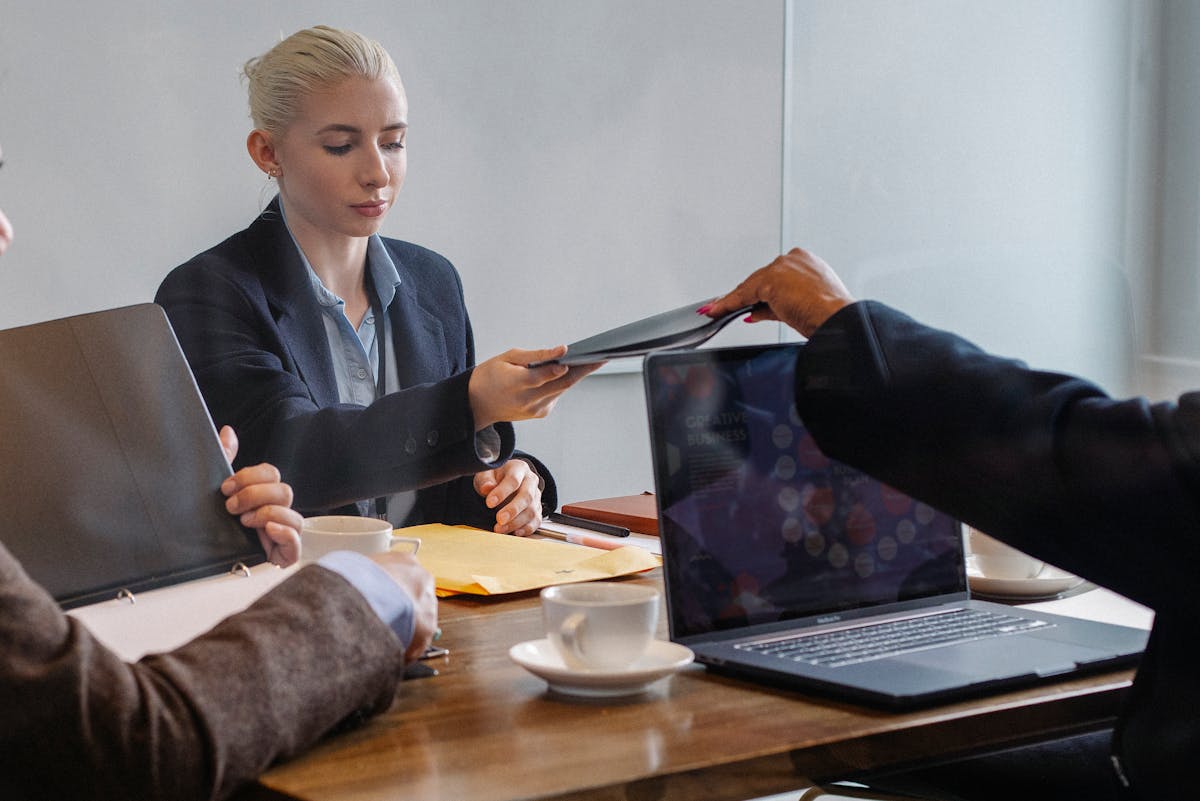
(373, 209)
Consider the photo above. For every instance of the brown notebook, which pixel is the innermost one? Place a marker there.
(635, 512)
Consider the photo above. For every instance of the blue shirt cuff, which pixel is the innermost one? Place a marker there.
(390, 601)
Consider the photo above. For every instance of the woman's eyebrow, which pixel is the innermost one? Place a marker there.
(338, 127)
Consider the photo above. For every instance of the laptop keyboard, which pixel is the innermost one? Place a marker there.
(852, 646)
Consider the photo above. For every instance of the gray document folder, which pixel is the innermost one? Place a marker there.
(679, 328)
(110, 468)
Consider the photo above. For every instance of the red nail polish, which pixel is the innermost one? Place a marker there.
(704, 309)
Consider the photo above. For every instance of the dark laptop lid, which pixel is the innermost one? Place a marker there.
(111, 467)
(757, 525)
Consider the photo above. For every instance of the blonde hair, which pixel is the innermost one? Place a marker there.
(305, 62)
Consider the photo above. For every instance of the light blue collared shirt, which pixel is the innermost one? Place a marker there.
(390, 601)
(355, 354)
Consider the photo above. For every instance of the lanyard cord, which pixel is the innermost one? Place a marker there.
(381, 503)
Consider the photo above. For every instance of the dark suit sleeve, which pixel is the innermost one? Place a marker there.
(247, 369)
(457, 503)
(1106, 489)
(194, 723)
(549, 487)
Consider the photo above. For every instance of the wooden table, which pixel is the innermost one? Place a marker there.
(486, 730)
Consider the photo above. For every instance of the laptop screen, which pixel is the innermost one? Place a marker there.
(757, 524)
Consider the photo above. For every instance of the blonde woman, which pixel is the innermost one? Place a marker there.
(344, 357)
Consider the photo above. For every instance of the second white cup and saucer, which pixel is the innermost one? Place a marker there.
(999, 571)
(600, 641)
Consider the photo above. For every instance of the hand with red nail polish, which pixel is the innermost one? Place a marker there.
(798, 289)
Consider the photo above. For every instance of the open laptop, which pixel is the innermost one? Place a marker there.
(111, 470)
(783, 565)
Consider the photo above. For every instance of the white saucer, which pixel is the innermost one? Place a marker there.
(1048, 583)
(661, 659)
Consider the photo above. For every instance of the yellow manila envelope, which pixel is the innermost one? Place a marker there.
(470, 560)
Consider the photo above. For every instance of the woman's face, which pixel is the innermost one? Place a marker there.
(342, 160)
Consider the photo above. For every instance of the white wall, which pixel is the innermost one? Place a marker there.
(969, 163)
(583, 164)
(1176, 340)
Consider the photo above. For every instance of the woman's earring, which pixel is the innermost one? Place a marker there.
(274, 172)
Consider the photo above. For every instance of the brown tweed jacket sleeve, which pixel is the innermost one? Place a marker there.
(78, 722)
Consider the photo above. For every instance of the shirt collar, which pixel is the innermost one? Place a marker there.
(384, 275)
(383, 270)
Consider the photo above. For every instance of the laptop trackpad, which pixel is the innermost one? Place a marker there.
(1003, 657)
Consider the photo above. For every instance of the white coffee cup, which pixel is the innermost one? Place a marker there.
(325, 533)
(600, 625)
(996, 560)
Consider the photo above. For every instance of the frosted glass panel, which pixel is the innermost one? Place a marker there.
(966, 162)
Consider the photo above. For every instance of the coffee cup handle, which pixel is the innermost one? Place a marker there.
(569, 632)
(393, 541)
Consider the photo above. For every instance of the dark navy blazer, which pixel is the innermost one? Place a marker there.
(1107, 489)
(251, 328)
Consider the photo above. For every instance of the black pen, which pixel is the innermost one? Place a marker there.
(590, 525)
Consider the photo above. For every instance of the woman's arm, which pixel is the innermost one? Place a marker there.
(331, 453)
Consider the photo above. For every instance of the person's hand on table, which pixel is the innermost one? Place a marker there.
(798, 289)
(418, 583)
(264, 503)
(514, 490)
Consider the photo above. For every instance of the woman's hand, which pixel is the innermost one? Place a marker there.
(503, 389)
(515, 491)
(264, 503)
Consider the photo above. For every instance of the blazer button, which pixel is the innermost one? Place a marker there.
(431, 439)
(410, 445)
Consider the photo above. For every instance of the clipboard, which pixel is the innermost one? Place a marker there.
(110, 467)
